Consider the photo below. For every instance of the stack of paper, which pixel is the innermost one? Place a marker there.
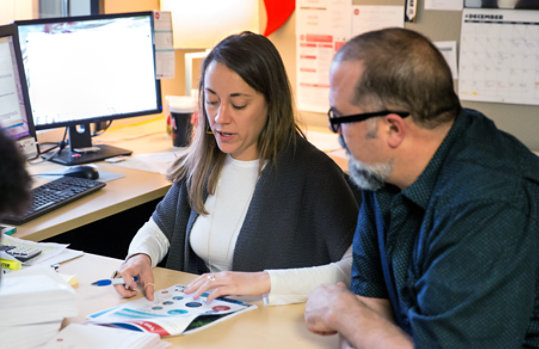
(33, 304)
(90, 337)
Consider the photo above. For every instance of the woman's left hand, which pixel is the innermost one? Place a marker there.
(227, 283)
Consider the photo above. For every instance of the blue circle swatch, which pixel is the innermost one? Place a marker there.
(177, 311)
(193, 304)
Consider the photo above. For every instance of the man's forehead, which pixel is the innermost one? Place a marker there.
(350, 65)
(343, 79)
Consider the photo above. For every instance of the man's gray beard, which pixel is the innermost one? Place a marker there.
(367, 177)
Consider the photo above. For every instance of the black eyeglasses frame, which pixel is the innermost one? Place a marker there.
(336, 121)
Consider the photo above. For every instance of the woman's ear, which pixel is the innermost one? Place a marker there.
(396, 130)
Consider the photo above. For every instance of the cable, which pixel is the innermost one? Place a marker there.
(98, 132)
(61, 145)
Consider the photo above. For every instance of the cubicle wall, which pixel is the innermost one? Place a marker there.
(520, 120)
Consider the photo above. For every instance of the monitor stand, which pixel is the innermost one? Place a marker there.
(81, 150)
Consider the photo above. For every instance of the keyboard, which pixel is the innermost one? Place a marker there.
(54, 194)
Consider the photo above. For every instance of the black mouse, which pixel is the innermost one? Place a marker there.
(82, 171)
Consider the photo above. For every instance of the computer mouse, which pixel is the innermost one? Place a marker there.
(82, 171)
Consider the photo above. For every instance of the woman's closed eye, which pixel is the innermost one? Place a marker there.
(211, 102)
(215, 102)
(239, 107)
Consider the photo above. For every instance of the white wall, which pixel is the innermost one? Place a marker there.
(11, 10)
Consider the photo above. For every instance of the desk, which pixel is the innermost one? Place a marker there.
(135, 188)
(265, 327)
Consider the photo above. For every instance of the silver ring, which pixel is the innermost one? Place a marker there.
(211, 277)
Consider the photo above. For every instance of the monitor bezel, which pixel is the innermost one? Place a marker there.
(97, 119)
(27, 143)
(11, 30)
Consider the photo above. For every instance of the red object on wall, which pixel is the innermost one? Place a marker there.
(278, 12)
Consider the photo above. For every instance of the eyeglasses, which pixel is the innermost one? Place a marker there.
(335, 121)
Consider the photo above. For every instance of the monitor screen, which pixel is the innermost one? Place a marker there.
(15, 117)
(83, 70)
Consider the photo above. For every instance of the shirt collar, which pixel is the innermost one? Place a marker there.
(420, 191)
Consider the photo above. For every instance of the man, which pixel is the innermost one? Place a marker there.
(446, 251)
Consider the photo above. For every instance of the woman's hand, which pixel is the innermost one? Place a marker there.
(138, 265)
(228, 283)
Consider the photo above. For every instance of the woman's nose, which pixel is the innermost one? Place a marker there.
(223, 115)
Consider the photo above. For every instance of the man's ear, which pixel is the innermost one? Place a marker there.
(396, 131)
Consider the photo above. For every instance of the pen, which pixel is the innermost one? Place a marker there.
(115, 281)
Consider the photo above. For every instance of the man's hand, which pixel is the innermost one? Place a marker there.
(324, 305)
(362, 322)
(139, 265)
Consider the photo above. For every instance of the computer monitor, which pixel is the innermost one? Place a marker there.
(89, 69)
(15, 117)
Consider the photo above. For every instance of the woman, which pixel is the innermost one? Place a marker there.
(252, 202)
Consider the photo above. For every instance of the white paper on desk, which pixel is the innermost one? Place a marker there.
(44, 166)
(35, 295)
(66, 255)
(30, 335)
(153, 162)
(48, 249)
(90, 337)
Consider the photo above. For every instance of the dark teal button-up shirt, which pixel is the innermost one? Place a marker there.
(460, 246)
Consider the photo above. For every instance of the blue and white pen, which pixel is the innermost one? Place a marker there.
(115, 281)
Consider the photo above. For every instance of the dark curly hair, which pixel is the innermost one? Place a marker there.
(15, 182)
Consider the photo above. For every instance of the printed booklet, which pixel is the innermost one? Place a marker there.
(171, 313)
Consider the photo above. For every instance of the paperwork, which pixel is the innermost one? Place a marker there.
(171, 313)
(51, 252)
(90, 337)
(33, 303)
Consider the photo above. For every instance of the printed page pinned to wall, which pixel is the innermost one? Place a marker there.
(321, 30)
(374, 17)
(443, 5)
(164, 48)
(498, 56)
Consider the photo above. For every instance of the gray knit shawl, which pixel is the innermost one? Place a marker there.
(303, 213)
